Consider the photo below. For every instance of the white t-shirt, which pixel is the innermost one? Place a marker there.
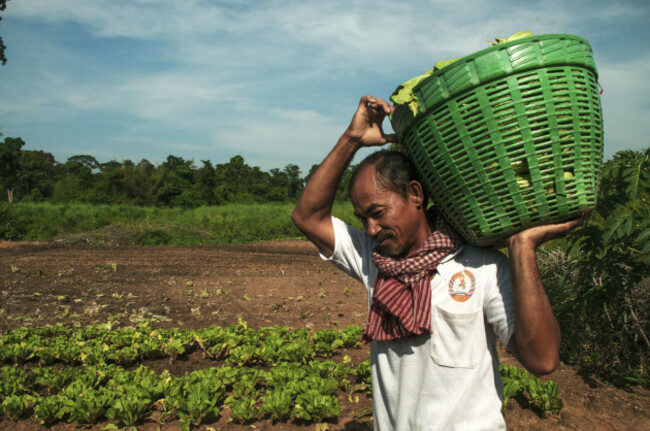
(448, 380)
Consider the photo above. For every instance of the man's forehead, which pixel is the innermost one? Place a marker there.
(369, 196)
(366, 181)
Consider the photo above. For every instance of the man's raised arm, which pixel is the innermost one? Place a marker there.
(536, 341)
(313, 212)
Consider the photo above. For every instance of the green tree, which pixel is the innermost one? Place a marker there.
(342, 190)
(238, 182)
(76, 182)
(3, 59)
(257, 184)
(145, 176)
(84, 160)
(10, 153)
(279, 186)
(206, 182)
(295, 185)
(36, 175)
(176, 177)
(108, 184)
(229, 178)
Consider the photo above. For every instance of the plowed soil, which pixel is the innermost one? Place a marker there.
(265, 284)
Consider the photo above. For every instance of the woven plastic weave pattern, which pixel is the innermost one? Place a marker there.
(525, 148)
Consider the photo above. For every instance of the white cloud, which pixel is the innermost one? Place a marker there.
(170, 97)
(625, 104)
(297, 133)
(127, 18)
(264, 77)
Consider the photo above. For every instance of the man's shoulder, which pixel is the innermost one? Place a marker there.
(359, 239)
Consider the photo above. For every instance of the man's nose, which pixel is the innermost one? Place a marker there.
(372, 227)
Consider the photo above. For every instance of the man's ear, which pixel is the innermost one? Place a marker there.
(416, 194)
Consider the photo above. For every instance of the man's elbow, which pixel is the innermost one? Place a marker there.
(546, 368)
(543, 366)
(539, 361)
(305, 220)
(298, 219)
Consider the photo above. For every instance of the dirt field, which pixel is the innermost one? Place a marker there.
(282, 283)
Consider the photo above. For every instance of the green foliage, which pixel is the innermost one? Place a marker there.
(16, 406)
(243, 409)
(108, 387)
(226, 224)
(152, 237)
(303, 388)
(277, 404)
(519, 384)
(315, 406)
(10, 153)
(49, 410)
(599, 286)
(10, 228)
(35, 176)
(3, 58)
(130, 408)
(197, 403)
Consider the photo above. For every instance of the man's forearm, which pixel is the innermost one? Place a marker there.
(320, 191)
(537, 333)
(314, 207)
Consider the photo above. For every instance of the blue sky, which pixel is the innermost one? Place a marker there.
(273, 81)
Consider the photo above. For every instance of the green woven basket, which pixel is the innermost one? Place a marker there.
(509, 137)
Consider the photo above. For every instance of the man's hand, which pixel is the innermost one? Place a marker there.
(366, 126)
(540, 234)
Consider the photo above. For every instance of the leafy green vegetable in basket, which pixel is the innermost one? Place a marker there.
(404, 95)
(515, 36)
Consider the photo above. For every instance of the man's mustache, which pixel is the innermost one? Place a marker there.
(384, 235)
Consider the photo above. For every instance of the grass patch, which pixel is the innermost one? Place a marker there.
(127, 224)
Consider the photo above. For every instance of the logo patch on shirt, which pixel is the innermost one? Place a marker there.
(462, 285)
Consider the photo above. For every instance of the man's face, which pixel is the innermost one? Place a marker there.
(393, 222)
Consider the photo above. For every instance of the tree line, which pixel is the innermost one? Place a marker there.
(35, 176)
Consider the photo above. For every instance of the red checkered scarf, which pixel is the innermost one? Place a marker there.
(401, 300)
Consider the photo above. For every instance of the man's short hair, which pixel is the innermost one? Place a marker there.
(393, 171)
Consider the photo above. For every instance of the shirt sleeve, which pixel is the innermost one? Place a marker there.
(499, 301)
(352, 253)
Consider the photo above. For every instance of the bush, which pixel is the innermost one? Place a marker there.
(10, 228)
(152, 237)
(599, 285)
(225, 224)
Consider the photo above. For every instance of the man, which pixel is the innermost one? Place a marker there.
(436, 305)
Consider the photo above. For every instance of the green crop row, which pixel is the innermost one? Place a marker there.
(289, 391)
(235, 345)
(269, 372)
(86, 375)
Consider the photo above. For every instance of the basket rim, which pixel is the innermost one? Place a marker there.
(404, 117)
(499, 47)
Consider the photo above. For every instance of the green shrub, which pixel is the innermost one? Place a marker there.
(225, 224)
(10, 227)
(152, 237)
(599, 286)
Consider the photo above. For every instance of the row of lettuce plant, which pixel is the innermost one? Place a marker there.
(95, 374)
(235, 344)
(88, 395)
